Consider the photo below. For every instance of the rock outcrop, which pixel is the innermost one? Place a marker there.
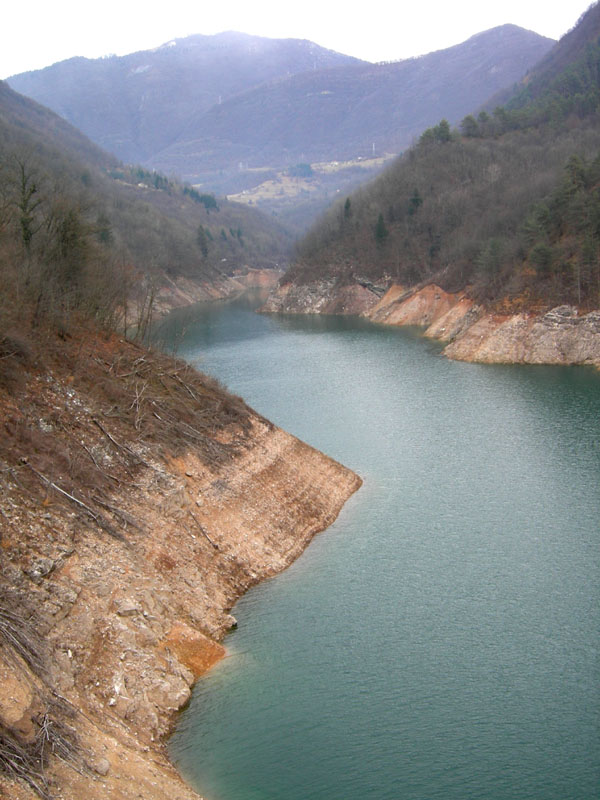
(321, 297)
(560, 336)
(471, 333)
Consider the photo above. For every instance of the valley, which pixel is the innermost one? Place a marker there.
(456, 195)
(213, 110)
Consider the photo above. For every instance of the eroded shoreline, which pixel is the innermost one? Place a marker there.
(469, 331)
(129, 621)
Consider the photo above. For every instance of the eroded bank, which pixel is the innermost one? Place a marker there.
(125, 543)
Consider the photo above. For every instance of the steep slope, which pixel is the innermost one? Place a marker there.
(503, 213)
(553, 64)
(136, 105)
(24, 120)
(52, 176)
(138, 501)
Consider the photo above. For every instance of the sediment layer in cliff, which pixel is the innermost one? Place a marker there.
(138, 502)
(559, 336)
(471, 332)
(180, 291)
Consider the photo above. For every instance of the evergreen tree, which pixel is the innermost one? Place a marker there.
(381, 231)
(202, 241)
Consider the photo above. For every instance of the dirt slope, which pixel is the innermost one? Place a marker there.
(137, 503)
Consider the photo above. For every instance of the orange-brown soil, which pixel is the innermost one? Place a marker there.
(137, 503)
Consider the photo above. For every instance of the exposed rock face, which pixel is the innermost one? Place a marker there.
(561, 336)
(322, 297)
(455, 321)
(401, 307)
(444, 315)
(180, 291)
(131, 617)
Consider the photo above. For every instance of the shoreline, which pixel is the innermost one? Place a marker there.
(468, 331)
(129, 622)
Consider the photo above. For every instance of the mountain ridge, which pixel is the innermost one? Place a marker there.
(154, 107)
(111, 99)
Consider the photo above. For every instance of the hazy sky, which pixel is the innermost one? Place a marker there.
(39, 32)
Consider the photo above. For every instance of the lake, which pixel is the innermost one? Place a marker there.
(440, 640)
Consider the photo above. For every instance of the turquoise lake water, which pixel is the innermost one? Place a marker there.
(439, 641)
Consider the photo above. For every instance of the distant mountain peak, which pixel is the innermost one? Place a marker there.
(201, 105)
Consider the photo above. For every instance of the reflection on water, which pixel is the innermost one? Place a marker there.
(441, 639)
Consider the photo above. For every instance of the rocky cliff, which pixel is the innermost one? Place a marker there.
(322, 297)
(559, 336)
(138, 502)
(472, 333)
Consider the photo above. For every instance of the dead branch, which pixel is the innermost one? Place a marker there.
(122, 447)
(62, 741)
(19, 762)
(91, 455)
(97, 518)
(15, 632)
(98, 467)
(124, 516)
(202, 531)
(192, 394)
(53, 485)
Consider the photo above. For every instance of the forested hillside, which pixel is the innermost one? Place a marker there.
(508, 204)
(80, 230)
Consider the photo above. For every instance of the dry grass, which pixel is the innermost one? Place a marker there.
(23, 757)
(82, 410)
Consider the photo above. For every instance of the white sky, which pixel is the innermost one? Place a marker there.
(40, 32)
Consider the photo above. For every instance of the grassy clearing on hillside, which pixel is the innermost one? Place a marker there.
(296, 198)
